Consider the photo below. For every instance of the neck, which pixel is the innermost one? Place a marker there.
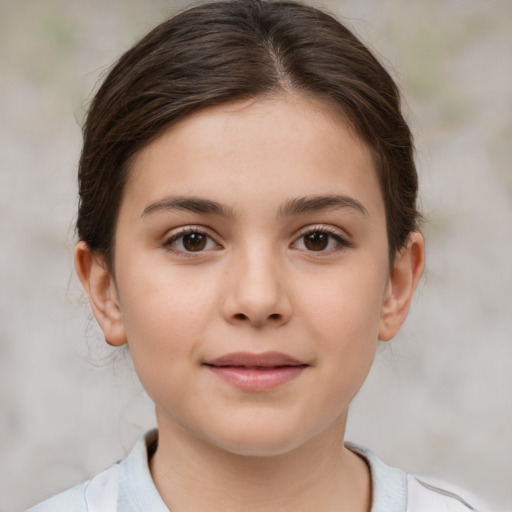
(321, 474)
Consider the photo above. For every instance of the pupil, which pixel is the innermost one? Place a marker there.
(316, 241)
(194, 241)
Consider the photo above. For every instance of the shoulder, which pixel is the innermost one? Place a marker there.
(425, 497)
(394, 490)
(71, 500)
(98, 494)
(127, 483)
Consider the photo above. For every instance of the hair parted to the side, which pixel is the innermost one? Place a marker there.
(230, 50)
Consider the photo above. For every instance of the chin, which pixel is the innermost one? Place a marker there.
(260, 448)
(258, 441)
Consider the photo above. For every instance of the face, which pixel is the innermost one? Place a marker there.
(251, 274)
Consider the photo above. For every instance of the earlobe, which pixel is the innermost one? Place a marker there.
(100, 287)
(404, 277)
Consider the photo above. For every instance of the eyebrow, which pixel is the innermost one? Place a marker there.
(296, 206)
(308, 204)
(190, 204)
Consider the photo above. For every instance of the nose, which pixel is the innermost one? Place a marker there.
(258, 293)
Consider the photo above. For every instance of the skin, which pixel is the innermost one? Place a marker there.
(255, 286)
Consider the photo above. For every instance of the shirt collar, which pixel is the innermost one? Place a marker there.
(136, 475)
(389, 485)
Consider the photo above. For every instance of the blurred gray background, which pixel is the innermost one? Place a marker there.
(438, 400)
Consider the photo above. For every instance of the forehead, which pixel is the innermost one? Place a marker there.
(266, 148)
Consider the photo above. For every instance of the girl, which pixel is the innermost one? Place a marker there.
(248, 227)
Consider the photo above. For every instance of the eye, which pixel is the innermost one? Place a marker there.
(320, 240)
(191, 240)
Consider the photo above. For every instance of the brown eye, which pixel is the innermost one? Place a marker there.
(190, 241)
(320, 240)
(194, 241)
(316, 241)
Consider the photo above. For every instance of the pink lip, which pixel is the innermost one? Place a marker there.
(256, 372)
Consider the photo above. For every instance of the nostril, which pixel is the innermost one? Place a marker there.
(273, 316)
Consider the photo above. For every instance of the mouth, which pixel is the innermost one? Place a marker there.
(256, 372)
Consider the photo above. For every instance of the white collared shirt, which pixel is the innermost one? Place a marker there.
(127, 486)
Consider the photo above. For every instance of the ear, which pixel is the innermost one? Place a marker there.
(100, 286)
(407, 269)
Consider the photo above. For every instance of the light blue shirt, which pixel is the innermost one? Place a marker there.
(392, 489)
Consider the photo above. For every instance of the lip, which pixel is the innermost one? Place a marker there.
(256, 372)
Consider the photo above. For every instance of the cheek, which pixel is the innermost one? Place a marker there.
(346, 305)
(165, 312)
(343, 316)
(166, 319)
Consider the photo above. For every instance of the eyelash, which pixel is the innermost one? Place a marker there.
(341, 242)
(190, 230)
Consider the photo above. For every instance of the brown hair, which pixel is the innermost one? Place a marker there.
(224, 51)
